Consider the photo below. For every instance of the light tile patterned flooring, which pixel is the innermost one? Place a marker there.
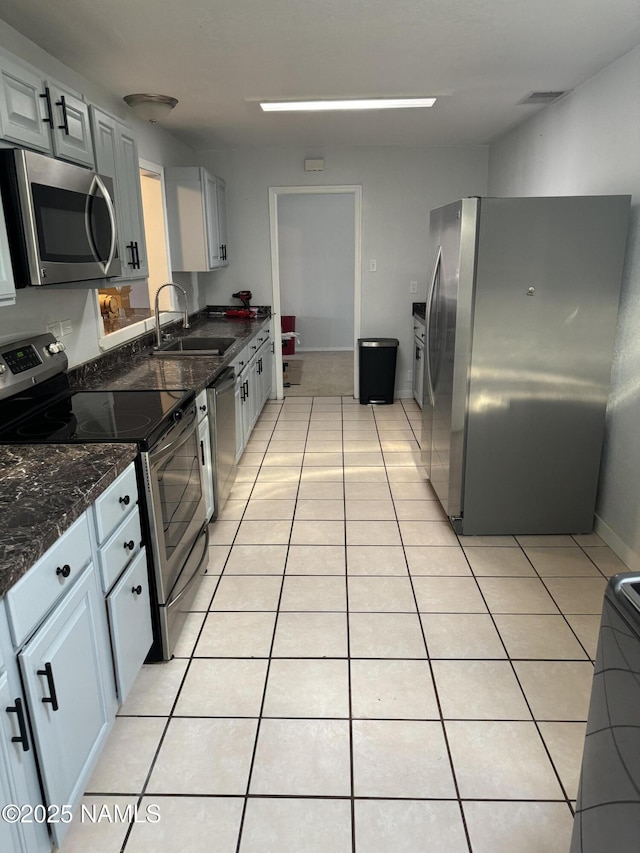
(353, 677)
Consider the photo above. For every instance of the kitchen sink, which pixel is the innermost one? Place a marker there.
(195, 346)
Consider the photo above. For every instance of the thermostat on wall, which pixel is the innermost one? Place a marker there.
(314, 165)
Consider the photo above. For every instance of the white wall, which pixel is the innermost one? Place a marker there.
(316, 243)
(589, 144)
(36, 307)
(399, 188)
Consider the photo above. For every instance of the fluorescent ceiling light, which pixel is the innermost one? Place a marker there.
(347, 104)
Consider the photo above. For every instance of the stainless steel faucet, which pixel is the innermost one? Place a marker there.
(185, 313)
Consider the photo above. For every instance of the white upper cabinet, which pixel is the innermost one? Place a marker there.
(39, 113)
(117, 157)
(221, 190)
(196, 212)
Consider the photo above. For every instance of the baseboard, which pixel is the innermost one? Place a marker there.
(323, 349)
(628, 556)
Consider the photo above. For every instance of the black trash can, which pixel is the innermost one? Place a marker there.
(377, 369)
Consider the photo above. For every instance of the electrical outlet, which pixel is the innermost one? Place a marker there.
(55, 329)
(373, 265)
(67, 327)
(413, 287)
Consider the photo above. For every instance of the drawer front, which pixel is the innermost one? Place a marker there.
(48, 579)
(201, 404)
(130, 624)
(115, 503)
(240, 362)
(123, 544)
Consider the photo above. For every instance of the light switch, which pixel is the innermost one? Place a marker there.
(373, 266)
(67, 327)
(413, 287)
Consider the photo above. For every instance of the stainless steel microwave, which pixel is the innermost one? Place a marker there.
(60, 219)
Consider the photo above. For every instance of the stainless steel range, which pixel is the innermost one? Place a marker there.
(39, 407)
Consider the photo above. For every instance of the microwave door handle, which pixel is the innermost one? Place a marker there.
(427, 347)
(99, 183)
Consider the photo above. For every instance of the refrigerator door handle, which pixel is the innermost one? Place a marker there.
(427, 347)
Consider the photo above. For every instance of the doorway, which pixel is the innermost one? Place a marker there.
(315, 253)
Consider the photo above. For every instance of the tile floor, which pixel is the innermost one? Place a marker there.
(353, 677)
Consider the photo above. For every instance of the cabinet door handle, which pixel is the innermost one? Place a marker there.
(202, 452)
(203, 408)
(132, 248)
(136, 262)
(417, 353)
(137, 590)
(22, 724)
(126, 500)
(130, 545)
(65, 570)
(51, 699)
(62, 103)
(47, 96)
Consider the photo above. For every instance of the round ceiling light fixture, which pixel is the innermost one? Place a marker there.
(152, 108)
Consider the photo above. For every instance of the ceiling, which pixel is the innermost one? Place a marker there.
(218, 56)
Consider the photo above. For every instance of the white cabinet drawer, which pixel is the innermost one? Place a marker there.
(201, 405)
(116, 502)
(48, 579)
(119, 549)
(130, 622)
(241, 361)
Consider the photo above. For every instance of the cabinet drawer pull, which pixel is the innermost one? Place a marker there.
(65, 570)
(137, 590)
(130, 545)
(126, 500)
(51, 699)
(22, 724)
(202, 453)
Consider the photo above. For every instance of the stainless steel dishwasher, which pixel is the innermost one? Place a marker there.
(608, 808)
(222, 425)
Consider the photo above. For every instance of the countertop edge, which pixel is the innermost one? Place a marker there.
(22, 546)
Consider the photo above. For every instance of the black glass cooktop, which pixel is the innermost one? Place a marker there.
(87, 416)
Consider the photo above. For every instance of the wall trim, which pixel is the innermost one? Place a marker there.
(274, 192)
(628, 556)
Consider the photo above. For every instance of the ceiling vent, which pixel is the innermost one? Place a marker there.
(535, 99)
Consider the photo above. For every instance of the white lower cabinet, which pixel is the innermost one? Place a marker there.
(18, 775)
(125, 582)
(80, 616)
(129, 607)
(206, 459)
(254, 370)
(69, 687)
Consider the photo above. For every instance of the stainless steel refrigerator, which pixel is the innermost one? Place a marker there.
(520, 326)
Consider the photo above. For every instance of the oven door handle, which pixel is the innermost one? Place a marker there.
(205, 555)
(161, 453)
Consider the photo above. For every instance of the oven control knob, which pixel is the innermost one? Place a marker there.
(3, 369)
(55, 347)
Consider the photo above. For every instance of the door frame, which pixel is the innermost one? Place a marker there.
(274, 192)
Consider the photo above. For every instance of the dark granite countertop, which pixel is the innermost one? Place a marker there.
(419, 310)
(135, 369)
(43, 489)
